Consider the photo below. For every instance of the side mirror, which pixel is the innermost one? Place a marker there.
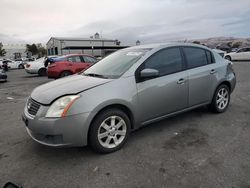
(149, 73)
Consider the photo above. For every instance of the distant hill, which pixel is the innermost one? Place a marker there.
(230, 42)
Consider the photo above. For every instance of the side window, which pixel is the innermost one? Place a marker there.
(210, 58)
(166, 61)
(196, 57)
(248, 50)
(89, 59)
(71, 59)
(242, 50)
(75, 59)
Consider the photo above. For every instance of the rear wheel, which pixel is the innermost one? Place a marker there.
(221, 99)
(109, 131)
(65, 73)
(228, 58)
(42, 72)
(21, 66)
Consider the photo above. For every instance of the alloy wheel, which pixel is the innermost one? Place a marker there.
(222, 98)
(112, 132)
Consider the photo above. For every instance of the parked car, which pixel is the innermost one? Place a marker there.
(241, 54)
(128, 89)
(12, 64)
(3, 75)
(220, 52)
(69, 64)
(37, 66)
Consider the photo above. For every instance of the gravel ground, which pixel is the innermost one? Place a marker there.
(194, 149)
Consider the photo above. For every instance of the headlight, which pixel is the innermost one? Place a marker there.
(61, 106)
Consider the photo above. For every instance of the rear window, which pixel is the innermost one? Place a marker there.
(196, 57)
(210, 57)
(57, 59)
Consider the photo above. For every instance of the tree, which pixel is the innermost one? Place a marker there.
(196, 42)
(230, 44)
(237, 44)
(32, 48)
(2, 51)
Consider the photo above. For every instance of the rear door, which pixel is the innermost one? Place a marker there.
(201, 74)
(75, 63)
(168, 92)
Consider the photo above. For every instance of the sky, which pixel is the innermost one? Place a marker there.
(149, 21)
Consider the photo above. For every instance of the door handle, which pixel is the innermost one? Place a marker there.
(213, 71)
(181, 81)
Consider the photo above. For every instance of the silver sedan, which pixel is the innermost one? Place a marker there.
(126, 90)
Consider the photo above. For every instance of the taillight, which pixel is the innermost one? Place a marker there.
(27, 65)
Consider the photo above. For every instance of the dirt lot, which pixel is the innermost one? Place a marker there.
(194, 149)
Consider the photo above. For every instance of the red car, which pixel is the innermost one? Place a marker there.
(69, 64)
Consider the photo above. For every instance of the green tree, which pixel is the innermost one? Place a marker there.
(196, 42)
(32, 48)
(237, 44)
(41, 50)
(2, 51)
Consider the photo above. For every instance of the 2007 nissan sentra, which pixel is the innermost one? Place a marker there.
(126, 90)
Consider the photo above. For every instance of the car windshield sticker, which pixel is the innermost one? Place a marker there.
(134, 53)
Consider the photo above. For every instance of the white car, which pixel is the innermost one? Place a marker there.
(13, 64)
(37, 66)
(241, 54)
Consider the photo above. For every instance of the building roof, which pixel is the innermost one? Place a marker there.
(81, 39)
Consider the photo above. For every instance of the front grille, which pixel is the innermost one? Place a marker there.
(32, 106)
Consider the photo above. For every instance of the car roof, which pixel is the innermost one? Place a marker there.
(70, 55)
(169, 44)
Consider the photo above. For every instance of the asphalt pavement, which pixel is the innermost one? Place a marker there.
(194, 149)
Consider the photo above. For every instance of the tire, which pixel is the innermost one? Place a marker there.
(42, 72)
(20, 66)
(220, 101)
(104, 134)
(228, 58)
(65, 73)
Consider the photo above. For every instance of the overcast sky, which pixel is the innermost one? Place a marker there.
(126, 20)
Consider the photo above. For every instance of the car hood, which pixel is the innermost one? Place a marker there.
(47, 93)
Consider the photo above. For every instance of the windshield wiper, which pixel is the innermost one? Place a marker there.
(95, 75)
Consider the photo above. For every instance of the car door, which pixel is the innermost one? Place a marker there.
(75, 64)
(201, 70)
(240, 55)
(12, 64)
(166, 93)
(247, 57)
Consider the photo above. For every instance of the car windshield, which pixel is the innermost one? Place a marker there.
(116, 64)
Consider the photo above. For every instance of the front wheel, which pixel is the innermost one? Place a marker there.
(221, 99)
(42, 72)
(228, 58)
(65, 73)
(21, 66)
(109, 131)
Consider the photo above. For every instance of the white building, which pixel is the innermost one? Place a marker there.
(92, 46)
(14, 51)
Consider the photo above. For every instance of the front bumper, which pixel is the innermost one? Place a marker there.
(57, 132)
(31, 71)
(3, 77)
